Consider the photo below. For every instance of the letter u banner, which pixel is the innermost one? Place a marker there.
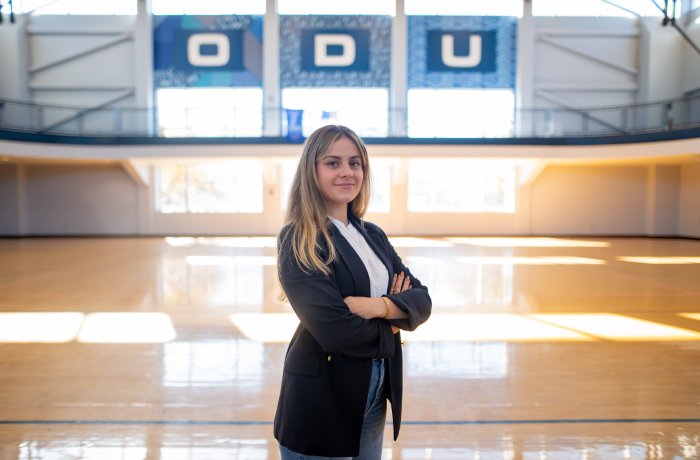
(461, 52)
(331, 51)
(207, 51)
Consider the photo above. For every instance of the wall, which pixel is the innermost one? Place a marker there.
(11, 199)
(13, 56)
(691, 60)
(577, 200)
(661, 61)
(689, 201)
(663, 183)
(70, 199)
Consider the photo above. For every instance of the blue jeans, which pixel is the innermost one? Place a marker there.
(372, 437)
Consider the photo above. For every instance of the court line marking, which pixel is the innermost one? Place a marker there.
(408, 422)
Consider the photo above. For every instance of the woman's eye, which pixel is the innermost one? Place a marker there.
(355, 164)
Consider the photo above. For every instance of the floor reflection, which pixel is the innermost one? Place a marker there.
(230, 363)
(538, 348)
(455, 360)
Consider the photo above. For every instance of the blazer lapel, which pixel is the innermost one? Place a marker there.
(352, 261)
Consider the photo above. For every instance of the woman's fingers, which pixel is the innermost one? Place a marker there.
(406, 284)
(400, 282)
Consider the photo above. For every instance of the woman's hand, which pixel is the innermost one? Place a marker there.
(400, 283)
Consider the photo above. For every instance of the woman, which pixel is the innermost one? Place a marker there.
(336, 270)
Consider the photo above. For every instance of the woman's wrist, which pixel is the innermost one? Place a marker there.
(387, 307)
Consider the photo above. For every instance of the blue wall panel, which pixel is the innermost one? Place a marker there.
(335, 51)
(206, 51)
(440, 53)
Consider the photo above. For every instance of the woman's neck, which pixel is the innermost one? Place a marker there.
(340, 213)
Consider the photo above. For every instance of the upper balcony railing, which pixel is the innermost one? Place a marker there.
(675, 115)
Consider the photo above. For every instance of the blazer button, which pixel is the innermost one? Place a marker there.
(329, 358)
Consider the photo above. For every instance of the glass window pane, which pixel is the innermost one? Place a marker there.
(209, 112)
(381, 184)
(456, 185)
(335, 7)
(172, 189)
(365, 110)
(235, 186)
(87, 7)
(288, 168)
(208, 7)
(460, 113)
(627, 8)
(464, 8)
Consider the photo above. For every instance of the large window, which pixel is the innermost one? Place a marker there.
(207, 7)
(86, 7)
(209, 112)
(335, 7)
(629, 8)
(362, 109)
(226, 187)
(457, 185)
(460, 113)
(464, 8)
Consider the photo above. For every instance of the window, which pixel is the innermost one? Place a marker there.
(336, 7)
(233, 186)
(203, 7)
(381, 184)
(460, 112)
(629, 8)
(457, 185)
(86, 7)
(364, 110)
(464, 8)
(209, 112)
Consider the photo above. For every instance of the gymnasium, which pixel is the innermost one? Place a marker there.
(536, 163)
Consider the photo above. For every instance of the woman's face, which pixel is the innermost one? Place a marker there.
(340, 175)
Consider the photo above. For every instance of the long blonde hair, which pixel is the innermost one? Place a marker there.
(307, 214)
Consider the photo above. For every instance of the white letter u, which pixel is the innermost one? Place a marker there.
(471, 60)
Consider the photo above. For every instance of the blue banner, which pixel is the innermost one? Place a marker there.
(335, 51)
(201, 51)
(461, 51)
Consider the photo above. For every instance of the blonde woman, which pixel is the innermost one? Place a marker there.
(352, 295)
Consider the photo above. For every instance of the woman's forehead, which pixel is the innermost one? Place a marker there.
(343, 147)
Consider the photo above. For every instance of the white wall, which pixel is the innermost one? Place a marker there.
(13, 60)
(663, 183)
(661, 61)
(579, 200)
(68, 199)
(689, 201)
(11, 183)
(691, 60)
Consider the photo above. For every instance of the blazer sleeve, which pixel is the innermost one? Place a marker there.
(318, 303)
(416, 301)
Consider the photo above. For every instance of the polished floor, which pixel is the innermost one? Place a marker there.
(171, 349)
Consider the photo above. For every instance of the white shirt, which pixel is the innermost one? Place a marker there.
(378, 273)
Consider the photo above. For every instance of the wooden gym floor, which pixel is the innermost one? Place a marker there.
(172, 348)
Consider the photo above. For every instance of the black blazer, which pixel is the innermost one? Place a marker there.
(327, 368)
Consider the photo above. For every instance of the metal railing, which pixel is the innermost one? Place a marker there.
(660, 116)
